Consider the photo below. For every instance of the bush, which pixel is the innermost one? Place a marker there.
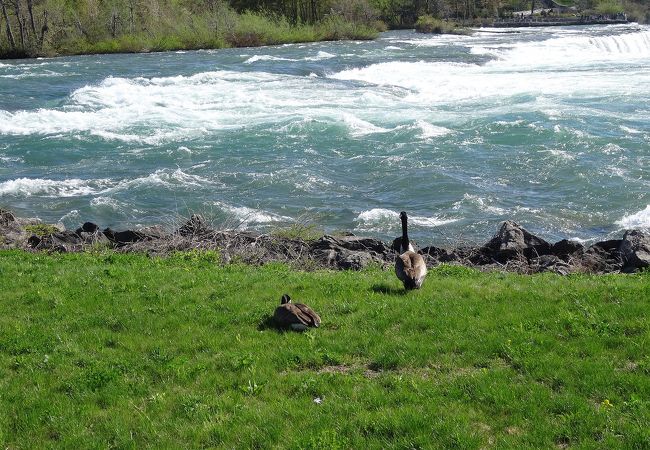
(41, 229)
(429, 24)
(335, 28)
(609, 7)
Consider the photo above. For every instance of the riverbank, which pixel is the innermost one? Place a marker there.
(511, 249)
(516, 23)
(123, 350)
(230, 30)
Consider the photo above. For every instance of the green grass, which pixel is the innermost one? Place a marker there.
(124, 351)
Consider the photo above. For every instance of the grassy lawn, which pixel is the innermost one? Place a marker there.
(124, 351)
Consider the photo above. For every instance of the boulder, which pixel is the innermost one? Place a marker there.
(87, 227)
(601, 257)
(436, 255)
(6, 217)
(634, 250)
(93, 238)
(353, 243)
(565, 248)
(62, 241)
(121, 238)
(550, 263)
(355, 260)
(350, 252)
(514, 242)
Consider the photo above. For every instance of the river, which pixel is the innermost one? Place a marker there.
(546, 126)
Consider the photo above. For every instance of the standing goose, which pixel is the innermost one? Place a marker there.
(295, 315)
(410, 267)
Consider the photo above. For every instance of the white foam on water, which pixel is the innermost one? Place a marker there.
(256, 58)
(159, 110)
(360, 127)
(107, 203)
(562, 154)
(48, 74)
(482, 203)
(71, 219)
(156, 111)
(629, 130)
(246, 216)
(321, 55)
(15, 159)
(612, 149)
(26, 187)
(429, 130)
(162, 178)
(576, 49)
(639, 219)
(384, 220)
(529, 68)
(312, 183)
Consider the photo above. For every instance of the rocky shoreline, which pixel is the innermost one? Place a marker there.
(511, 249)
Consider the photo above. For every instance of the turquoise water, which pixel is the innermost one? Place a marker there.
(550, 127)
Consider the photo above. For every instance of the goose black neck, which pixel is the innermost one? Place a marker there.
(405, 236)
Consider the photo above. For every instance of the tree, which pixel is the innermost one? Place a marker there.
(10, 35)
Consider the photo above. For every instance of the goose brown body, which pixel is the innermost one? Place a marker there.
(410, 267)
(295, 315)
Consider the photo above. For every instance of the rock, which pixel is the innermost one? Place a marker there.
(93, 238)
(355, 260)
(87, 227)
(355, 243)
(601, 257)
(514, 242)
(565, 248)
(634, 250)
(550, 263)
(350, 252)
(6, 217)
(436, 255)
(33, 241)
(63, 241)
(121, 238)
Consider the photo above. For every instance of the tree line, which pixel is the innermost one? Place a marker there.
(34, 27)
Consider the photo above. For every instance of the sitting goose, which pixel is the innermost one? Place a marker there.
(295, 315)
(410, 267)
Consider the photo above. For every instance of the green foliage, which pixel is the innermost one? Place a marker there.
(303, 231)
(429, 24)
(128, 351)
(41, 229)
(89, 26)
(609, 7)
(334, 28)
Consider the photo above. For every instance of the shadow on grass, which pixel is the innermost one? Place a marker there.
(384, 288)
(268, 323)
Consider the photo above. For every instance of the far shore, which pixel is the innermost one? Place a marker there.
(123, 45)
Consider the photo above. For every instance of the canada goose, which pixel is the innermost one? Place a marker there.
(410, 267)
(295, 315)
